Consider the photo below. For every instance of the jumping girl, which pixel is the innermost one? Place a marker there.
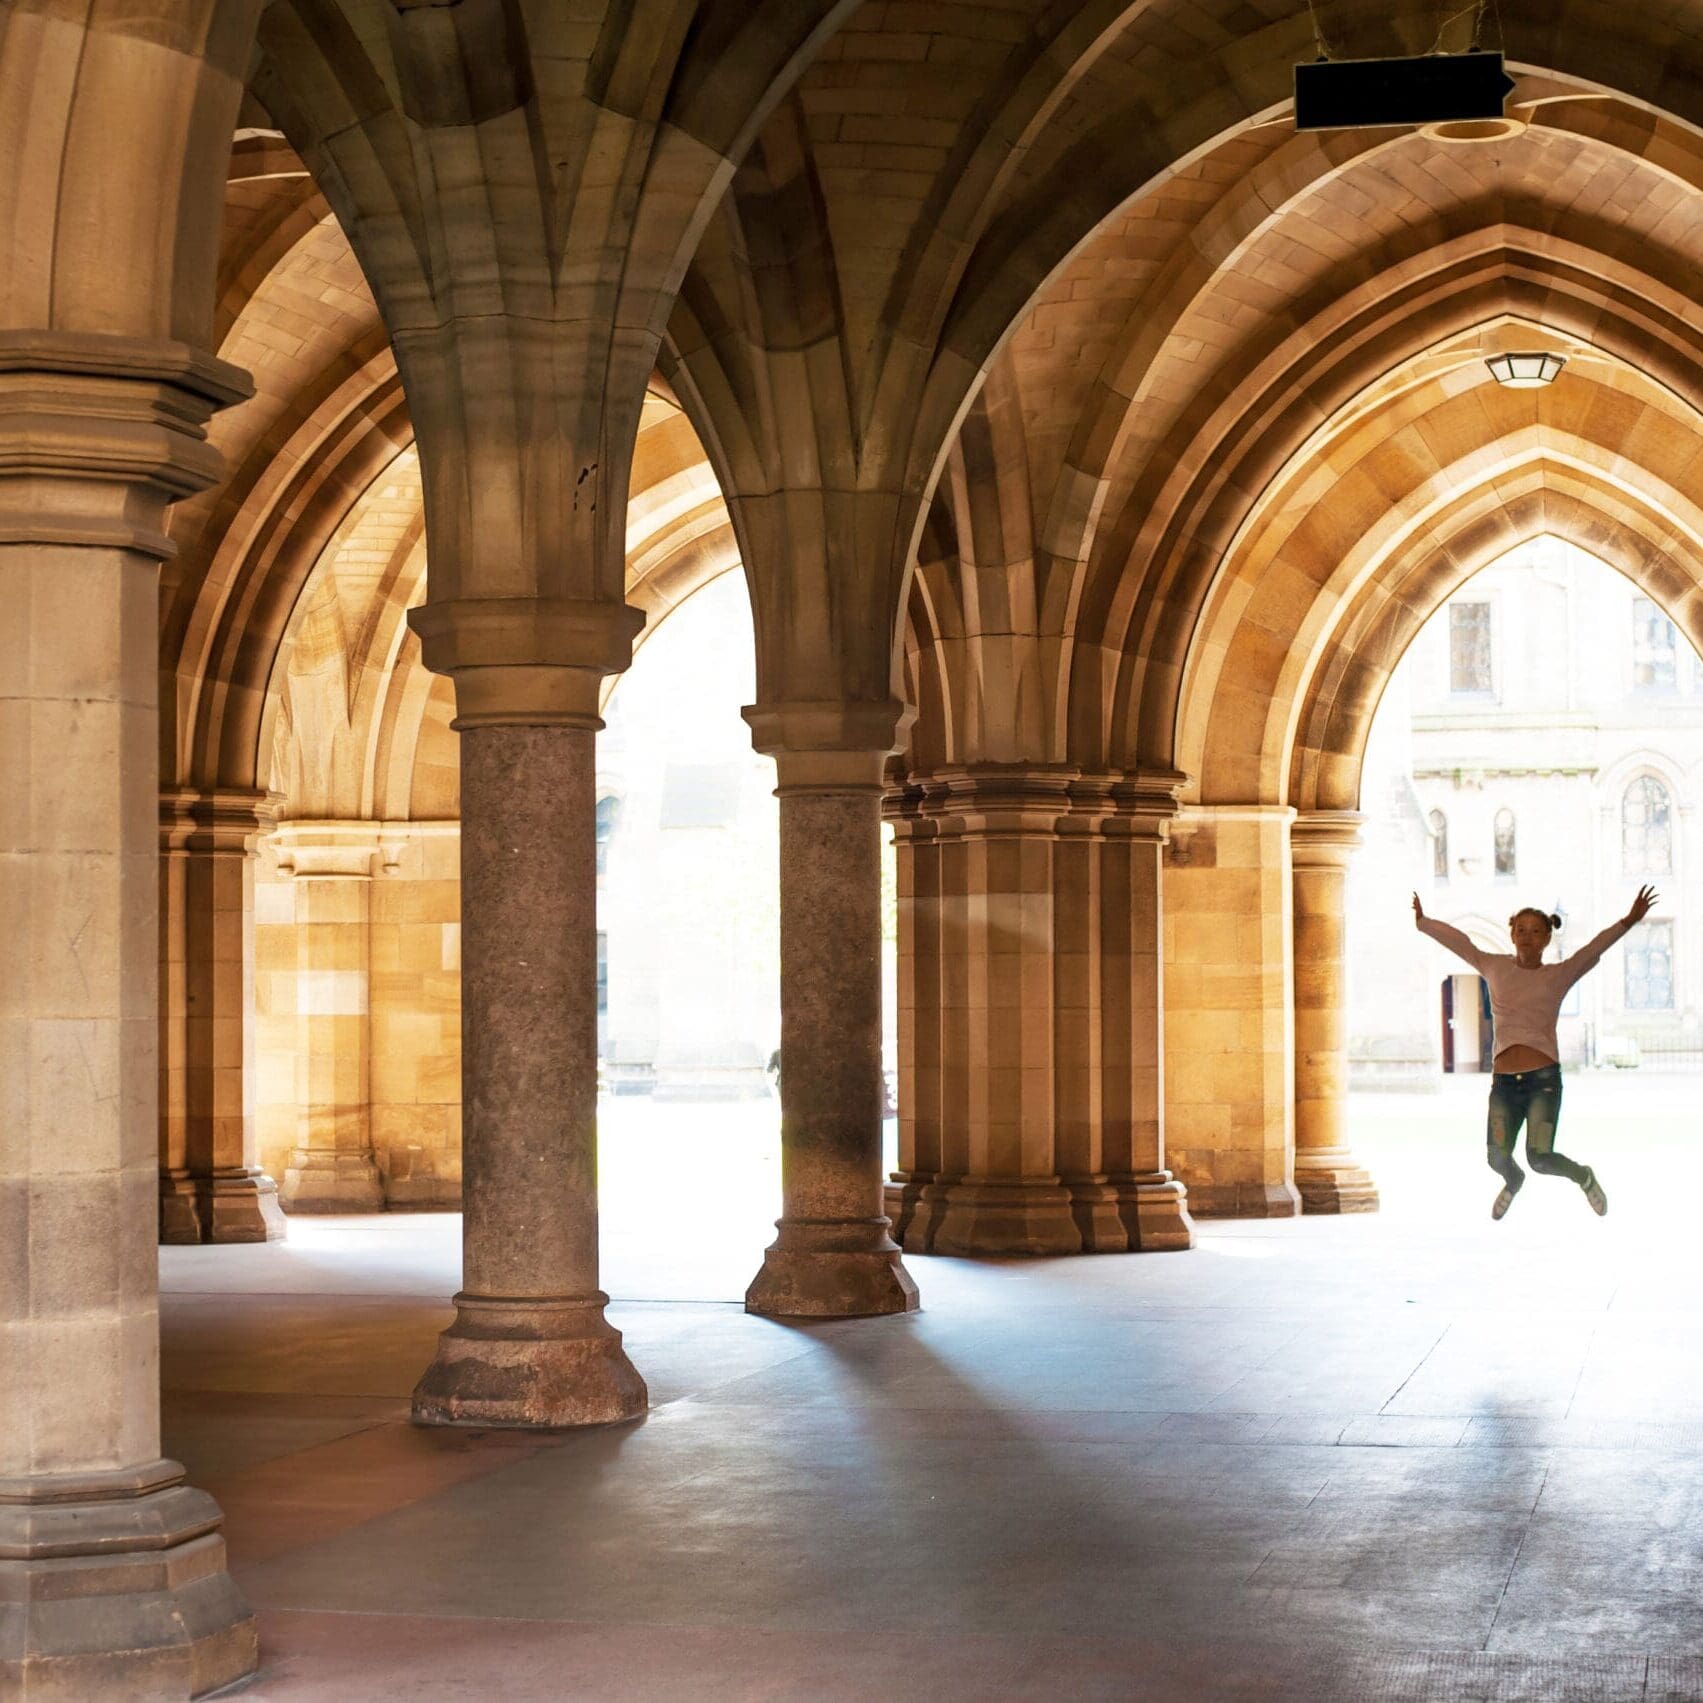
(1525, 1000)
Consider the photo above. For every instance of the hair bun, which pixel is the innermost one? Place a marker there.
(1554, 919)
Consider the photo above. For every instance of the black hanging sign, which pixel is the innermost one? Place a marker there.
(1436, 88)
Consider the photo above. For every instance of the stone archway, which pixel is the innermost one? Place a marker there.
(1279, 748)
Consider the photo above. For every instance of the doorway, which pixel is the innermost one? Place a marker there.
(1468, 1043)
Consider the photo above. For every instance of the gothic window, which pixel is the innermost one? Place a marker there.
(1649, 967)
(608, 810)
(1504, 845)
(1469, 647)
(1439, 825)
(1655, 648)
(1646, 828)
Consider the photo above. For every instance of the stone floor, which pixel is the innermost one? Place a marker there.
(1411, 1456)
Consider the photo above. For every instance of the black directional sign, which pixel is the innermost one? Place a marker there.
(1438, 88)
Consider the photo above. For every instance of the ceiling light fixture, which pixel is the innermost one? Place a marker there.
(1529, 370)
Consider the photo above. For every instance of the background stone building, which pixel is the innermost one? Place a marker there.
(1540, 744)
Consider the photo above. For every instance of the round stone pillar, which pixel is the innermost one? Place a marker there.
(833, 1256)
(212, 1188)
(112, 1570)
(530, 1345)
(1327, 1175)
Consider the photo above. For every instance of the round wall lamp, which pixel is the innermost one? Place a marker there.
(1528, 371)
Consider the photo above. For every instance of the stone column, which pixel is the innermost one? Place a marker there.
(211, 1187)
(1229, 1018)
(1326, 1173)
(332, 1167)
(833, 1256)
(112, 1570)
(998, 1189)
(921, 1066)
(1029, 911)
(530, 1345)
(1152, 1203)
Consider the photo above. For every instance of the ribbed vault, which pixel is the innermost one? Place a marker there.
(317, 530)
(1287, 338)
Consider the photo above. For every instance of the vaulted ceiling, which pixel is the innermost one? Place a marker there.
(1027, 357)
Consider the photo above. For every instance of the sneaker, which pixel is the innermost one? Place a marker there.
(1504, 1200)
(1594, 1194)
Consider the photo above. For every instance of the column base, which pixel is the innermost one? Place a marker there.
(113, 1584)
(332, 1182)
(1155, 1211)
(979, 1215)
(1094, 1205)
(236, 1205)
(1328, 1179)
(530, 1364)
(902, 1196)
(1244, 1200)
(832, 1269)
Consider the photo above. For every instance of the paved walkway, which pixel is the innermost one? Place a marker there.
(1415, 1455)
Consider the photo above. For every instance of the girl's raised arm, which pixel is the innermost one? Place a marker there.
(1590, 954)
(1444, 935)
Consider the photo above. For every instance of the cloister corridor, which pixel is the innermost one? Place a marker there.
(685, 703)
(1405, 1455)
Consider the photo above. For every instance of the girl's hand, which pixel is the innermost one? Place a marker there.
(1642, 906)
(1418, 911)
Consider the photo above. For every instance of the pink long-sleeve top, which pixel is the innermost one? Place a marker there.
(1524, 1004)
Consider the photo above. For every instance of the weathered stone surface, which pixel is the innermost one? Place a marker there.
(111, 1575)
(114, 1584)
(832, 1256)
(530, 1364)
(529, 1345)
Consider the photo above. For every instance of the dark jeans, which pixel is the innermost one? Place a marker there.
(1532, 1098)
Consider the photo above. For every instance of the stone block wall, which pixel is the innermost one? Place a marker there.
(1229, 1056)
(416, 1019)
(398, 956)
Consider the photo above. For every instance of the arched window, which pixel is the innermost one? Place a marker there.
(608, 810)
(1646, 828)
(1504, 845)
(1439, 825)
(1649, 967)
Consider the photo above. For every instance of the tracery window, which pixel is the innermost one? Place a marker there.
(1439, 826)
(1649, 967)
(1469, 647)
(1504, 845)
(1655, 648)
(1646, 828)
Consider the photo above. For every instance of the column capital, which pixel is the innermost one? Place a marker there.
(1324, 839)
(997, 797)
(1144, 803)
(1040, 798)
(221, 821)
(526, 661)
(830, 745)
(333, 850)
(101, 434)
